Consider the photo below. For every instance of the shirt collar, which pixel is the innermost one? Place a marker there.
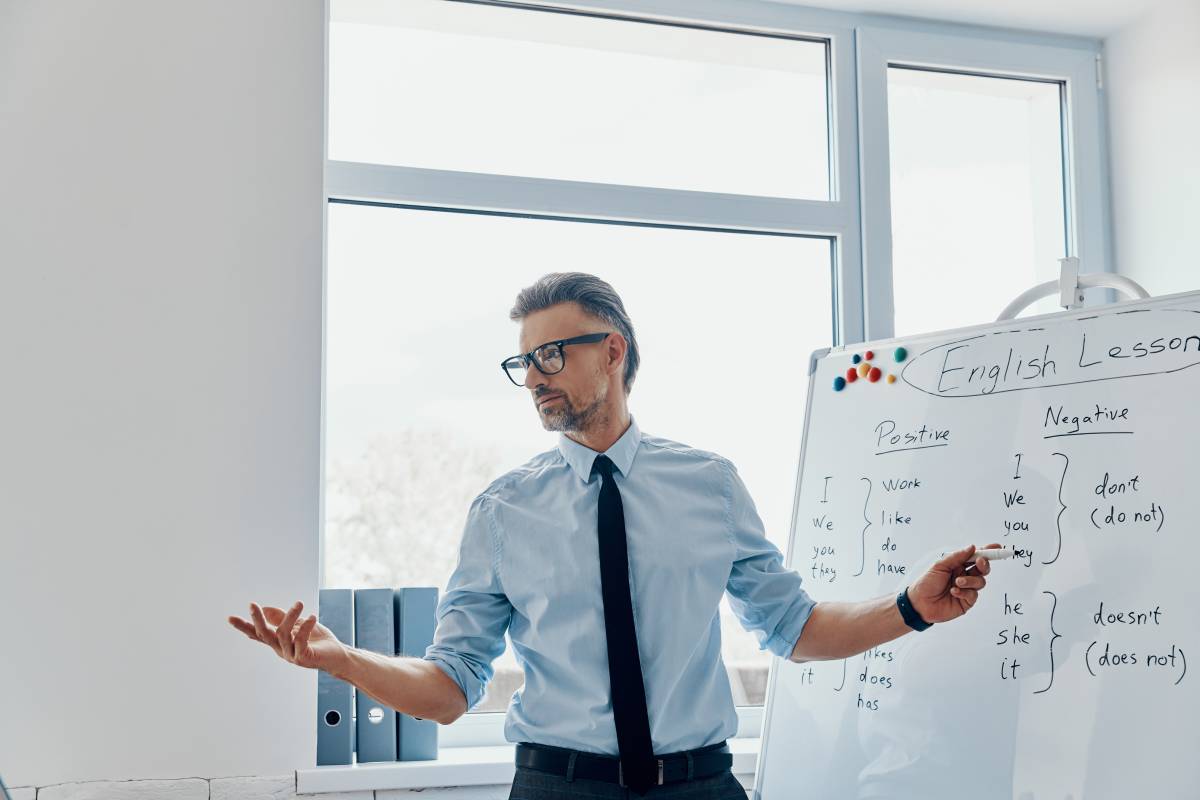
(621, 453)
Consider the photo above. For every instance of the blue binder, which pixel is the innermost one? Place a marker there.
(335, 698)
(416, 607)
(374, 630)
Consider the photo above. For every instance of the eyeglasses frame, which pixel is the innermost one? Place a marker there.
(528, 358)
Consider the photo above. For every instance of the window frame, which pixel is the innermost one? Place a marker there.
(549, 198)
(1085, 172)
(857, 215)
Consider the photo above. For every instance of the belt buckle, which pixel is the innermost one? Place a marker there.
(621, 773)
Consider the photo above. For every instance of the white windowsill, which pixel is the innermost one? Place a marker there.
(456, 766)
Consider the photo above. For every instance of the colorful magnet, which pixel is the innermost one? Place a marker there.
(839, 383)
(851, 375)
(875, 374)
(854, 359)
(863, 369)
(870, 355)
(901, 354)
(891, 379)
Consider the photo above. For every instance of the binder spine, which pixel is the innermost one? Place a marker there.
(416, 618)
(374, 630)
(335, 698)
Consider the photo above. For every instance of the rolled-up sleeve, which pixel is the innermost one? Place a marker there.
(767, 599)
(474, 612)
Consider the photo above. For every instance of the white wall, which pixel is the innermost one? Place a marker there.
(1153, 79)
(160, 341)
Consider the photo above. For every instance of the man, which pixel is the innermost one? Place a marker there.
(605, 560)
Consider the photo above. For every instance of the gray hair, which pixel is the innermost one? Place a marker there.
(597, 298)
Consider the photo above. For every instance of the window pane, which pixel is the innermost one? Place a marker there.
(977, 195)
(520, 92)
(420, 418)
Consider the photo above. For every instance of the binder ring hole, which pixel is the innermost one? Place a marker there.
(332, 718)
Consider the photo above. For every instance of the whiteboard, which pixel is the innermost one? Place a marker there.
(1069, 438)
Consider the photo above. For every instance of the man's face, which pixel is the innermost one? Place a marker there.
(572, 399)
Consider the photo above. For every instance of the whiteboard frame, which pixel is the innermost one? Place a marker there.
(815, 358)
(773, 670)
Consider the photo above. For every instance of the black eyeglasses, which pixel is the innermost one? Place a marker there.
(549, 358)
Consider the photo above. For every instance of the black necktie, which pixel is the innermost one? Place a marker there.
(638, 765)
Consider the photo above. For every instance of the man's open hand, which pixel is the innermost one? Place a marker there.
(306, 644)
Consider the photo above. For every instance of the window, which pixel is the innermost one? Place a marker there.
(795, 175)
(982, 166)
(977, 194)
(518, 92)
(419, 417)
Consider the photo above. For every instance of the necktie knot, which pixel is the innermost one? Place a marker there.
(604, 465)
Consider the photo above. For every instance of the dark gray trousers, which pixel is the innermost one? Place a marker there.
(531, 784)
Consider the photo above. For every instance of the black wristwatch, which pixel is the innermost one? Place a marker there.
(911, 617)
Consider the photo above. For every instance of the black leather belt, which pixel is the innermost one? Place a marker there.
(703, 762)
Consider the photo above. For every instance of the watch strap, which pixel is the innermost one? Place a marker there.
(910, 615)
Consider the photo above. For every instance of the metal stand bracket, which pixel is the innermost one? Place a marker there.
(1069, 288)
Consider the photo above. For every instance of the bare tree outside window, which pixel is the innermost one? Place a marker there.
(394, 517)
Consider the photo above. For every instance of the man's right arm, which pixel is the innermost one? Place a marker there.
(472, 617)
(411, 686)
(473, 613)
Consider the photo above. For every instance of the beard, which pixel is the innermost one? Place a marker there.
(563, 417)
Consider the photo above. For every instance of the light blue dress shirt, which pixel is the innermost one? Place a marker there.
(529, 564)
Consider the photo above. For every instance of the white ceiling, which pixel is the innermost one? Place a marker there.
(1097, 18)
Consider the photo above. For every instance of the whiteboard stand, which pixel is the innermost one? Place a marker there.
(1070, 286)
